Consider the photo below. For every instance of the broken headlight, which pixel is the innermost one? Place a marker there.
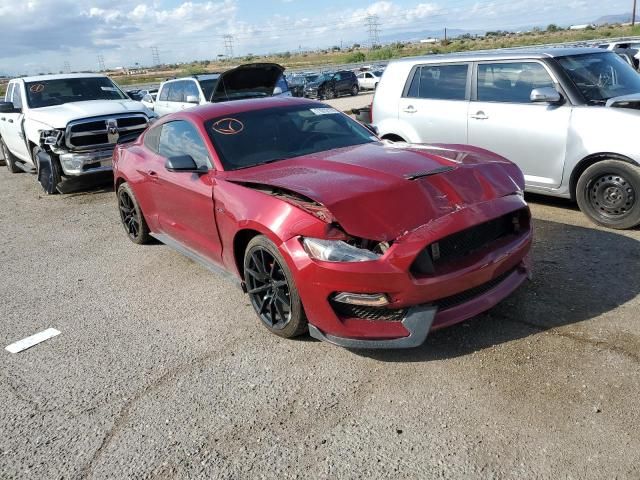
(336, 251)
(50, 138)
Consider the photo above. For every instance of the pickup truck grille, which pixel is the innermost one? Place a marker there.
(101, 132)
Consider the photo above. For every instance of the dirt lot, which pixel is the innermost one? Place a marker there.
(163, 371)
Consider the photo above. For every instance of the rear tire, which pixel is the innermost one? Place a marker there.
(131, 216)
(272, 290)
(608, 192)
(9, 159)
(354, 91)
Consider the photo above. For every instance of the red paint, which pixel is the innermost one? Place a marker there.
(363, 188)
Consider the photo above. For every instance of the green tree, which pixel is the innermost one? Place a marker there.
(356, 57)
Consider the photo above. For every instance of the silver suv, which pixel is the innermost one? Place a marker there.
(567, 117)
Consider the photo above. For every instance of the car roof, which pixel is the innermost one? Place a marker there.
(503, 54)
(37, 78)
(213, 110)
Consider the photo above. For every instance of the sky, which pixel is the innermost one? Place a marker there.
(41, 35)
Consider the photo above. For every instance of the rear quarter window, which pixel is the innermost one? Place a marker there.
(439, 82)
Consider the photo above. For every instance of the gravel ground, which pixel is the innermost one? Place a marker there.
(162, 370)
(345, 104)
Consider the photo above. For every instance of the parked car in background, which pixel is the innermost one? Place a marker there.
(332, 85)
(297, 84)
(246, 81)
(567, 117)
(64, 127)
(135, 94)
(622, 44)
(629, 55)
(149, 99)
(327, 228)
(369, 80)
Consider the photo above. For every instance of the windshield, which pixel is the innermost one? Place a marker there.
(323, 77)
(46, 93)
(208, 86)
(601, 76)
(252, 138)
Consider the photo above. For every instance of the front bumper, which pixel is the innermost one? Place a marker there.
(76, 164)
(426, 303)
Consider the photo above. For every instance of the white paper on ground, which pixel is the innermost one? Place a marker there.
(29, 342)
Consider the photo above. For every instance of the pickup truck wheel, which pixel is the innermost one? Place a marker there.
(49, 173)
(272, 290)
(9, 159)
(34, 157)
(608, 193)
(131, 216)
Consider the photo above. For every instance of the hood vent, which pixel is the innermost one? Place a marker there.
(428, 173)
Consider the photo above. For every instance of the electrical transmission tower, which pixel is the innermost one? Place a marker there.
(101, 63)
(156, 56)
(67, 67)
(373, 25)
(228, 45)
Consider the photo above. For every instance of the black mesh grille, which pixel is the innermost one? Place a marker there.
(345, 310)
(467, 295)
(467, 241)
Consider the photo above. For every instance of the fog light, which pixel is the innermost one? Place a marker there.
(364, 299)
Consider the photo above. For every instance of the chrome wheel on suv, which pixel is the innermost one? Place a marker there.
(608, 193)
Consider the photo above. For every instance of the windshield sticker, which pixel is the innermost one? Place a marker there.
(37, 88)
(228, 126)
(324, 111)
(109, 89)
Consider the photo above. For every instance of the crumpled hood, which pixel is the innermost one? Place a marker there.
(365, 188)
(58, 116)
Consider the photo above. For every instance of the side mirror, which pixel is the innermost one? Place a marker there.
(193, 99)
(545, 95)
(7, 107)
(183, 163)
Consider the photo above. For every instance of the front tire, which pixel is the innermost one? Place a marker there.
(607, 192)
(9, 159)
(329, 93)
(272, 290)
(131, 216)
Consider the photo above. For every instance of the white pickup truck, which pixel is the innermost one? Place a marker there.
(65, 127)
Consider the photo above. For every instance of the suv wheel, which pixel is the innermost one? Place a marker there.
(608, 191)
(9, 159)
(354, 90)
(271, 288)
(329, 93)
(131, 216)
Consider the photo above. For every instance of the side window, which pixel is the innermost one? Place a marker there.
(164, 93)
(511, 82)
(191, 90)
(282, 83)
(439, 82)
(337, 77)
(176, 94)
(7, 96)
(181, 138)
(152, 138)
(361, 75)
(17, 96)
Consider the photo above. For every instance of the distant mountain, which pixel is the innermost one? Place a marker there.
(621, 18)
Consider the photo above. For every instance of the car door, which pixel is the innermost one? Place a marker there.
(435, 101)
(503, 119)
(12, 131)
(184, 200)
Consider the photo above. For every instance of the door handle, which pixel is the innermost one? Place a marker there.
(10, 120)
(3, 119)
(479, 115)
(410, 109)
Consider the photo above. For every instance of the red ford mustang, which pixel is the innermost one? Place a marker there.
(364, 244)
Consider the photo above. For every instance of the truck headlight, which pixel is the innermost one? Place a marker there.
(50, 137)
(336, 251)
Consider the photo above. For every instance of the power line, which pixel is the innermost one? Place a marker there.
(101, 63)
(155, 56)
(373, 24)
(228, 45)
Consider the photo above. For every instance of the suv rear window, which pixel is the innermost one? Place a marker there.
(440, 82)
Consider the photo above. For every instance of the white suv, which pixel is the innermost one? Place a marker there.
(246, 81)
(567, 117)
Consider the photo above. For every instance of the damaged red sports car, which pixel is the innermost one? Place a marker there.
(365, 244)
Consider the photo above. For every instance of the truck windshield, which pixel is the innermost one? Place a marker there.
(601, 76)
(46, 93)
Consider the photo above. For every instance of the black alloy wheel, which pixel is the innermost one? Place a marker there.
(608, 193)
(131, 216)
(329, 93)
(271, 289)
